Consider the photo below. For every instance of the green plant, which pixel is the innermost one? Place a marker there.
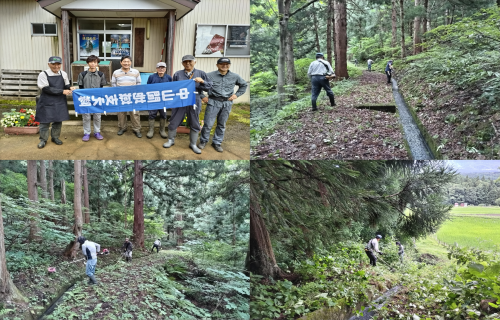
(22, 118)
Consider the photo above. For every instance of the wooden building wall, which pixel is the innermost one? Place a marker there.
(18, 48)
(216, 12)
(153, 46)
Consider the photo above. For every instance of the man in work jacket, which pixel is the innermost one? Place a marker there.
(320, 73)
(90, 250)
(159, 77)
(52, 106)
(371, 248)
(219, 102)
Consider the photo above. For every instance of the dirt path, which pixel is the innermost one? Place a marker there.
(341, 132)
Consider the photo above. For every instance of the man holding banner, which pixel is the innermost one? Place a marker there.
(126, 76)
(203, 83)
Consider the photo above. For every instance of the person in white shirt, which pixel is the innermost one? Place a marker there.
(320, 72)
(157, 245)
(90, 250)
(371, 248)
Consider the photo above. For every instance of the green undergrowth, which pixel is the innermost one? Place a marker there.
(10, 103)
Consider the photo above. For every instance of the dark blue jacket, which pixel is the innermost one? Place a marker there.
(155, 78)
(388, 67)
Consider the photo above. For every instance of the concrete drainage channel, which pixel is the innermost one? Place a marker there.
(370, 312)
(419, 148)
(52, 307)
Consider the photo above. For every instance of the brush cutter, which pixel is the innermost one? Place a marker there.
(390, 268)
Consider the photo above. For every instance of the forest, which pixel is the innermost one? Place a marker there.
(310, 225)
(446, 74)
(197, 210)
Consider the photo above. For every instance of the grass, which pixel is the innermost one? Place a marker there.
(472, 232)
(475, 210)
(18, 103)
(240, 112)
(431, 246)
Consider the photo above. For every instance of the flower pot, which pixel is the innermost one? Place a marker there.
(182, 129)
(21, 130)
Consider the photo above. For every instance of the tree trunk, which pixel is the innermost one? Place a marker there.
(63, 191)
(335, 53)
(72, 247)
(86, 202)
(417, 41)
(8, 291)
(138, 205)
(51, 180)
(234, 227)
(260, 259)
(329, 13)
(99, 198)
(402, 16)
(341, 39)
(394, 24)
(283, 21)
(33, 196)
(315, 18)
(43, 179)
(178, 230)
(290, 63)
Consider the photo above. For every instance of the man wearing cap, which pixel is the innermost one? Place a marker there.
(203, 83)
(52, 106)
(159, 77)
(219, 102)
(320, 72)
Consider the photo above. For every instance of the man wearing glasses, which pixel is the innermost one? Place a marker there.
(158, 77)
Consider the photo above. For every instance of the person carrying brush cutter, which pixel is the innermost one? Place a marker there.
(127, 246)
(371, 247)
(157, 245)
(90, 250)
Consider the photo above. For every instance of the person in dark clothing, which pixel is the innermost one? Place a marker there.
(372, 248)
(320, 72)
(127, 249)
(52, 107)
(401, 250)
(388, 71)
(203, 83)
(159, 77)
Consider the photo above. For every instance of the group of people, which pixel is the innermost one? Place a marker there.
(90, 250)
(55, 86)
(372, 248)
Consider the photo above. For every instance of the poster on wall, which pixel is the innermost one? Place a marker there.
(89, 44)
(120, 45)
(210, 41)
(238, 36)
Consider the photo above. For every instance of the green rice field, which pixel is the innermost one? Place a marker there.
(475, 210)
(474, 232)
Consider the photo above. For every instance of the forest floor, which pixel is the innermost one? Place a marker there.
(236, 143)
(341, 132)
(167, 285)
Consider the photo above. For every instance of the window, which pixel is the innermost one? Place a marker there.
(43, 29)
(222, 41)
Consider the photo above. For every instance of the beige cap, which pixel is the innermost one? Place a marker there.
(161, 64)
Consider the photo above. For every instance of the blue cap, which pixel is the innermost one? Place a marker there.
(319, 54)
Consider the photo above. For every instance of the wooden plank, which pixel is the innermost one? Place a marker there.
(20, 87)
(21, 93)
(19, 81)
(20, 71)
(170, 42)
(139, 47)
(65, 43)
(17, 76)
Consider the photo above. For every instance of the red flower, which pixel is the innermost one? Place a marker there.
(22, 111)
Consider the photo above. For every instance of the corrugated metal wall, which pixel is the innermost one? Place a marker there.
(153, 46)
(216, 12)
(18, 49)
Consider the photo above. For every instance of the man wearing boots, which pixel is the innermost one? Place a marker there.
(127, 249)
(372, 248)
(158, 77)
(203, 83)
(320, 72)
(90, 250)
(219, 102)
(52, 107)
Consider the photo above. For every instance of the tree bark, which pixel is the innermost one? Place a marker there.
(86, 202)
(8, 291)
(315, 18)
(51, 180)
(329, 27)
(72, 247)
(394, 24)
(290, 63)
(417, 41)
(43, 179)
(341, 39)
(178, 230)
(283, 21)
(33, 196)
(63, 191)
(260, 259)
(401, 4)
(234, 227)
(138, 205)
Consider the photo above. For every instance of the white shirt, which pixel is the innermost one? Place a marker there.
(373, 245)
(42, 78)
(316, 68)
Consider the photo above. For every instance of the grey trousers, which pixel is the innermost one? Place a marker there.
(193, 118)
(216, 110)
(86, 122)
(55, 132)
